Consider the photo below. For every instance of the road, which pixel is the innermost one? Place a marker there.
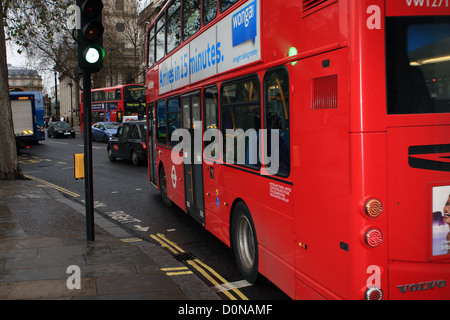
(123, 194)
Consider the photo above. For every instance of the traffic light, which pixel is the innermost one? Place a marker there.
(90, 35)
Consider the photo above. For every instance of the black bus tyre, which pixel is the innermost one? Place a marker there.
(245, 244)
(163, 188)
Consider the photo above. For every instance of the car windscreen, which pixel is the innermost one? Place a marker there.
(61, 125)
(111, 125)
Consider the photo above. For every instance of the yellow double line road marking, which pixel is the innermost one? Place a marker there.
(177, 271)
(206, 271)
(54, 186)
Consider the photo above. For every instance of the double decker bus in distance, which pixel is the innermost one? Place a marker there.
(116, 103)
(315, 139)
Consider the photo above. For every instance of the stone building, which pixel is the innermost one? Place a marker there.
(124, 44)
(26, 79)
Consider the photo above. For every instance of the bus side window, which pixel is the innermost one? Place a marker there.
(241, 121)
(209, 11)
(161, 135)
(225, 4)
(276, 115)
(173, 119)
(173, 25)
(211, 116)
(191, 18)
(151, 47)
(160, 37)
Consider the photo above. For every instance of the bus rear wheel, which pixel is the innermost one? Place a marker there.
(245, 244)
(163, 188)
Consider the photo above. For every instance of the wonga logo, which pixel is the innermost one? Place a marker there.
(244, 24)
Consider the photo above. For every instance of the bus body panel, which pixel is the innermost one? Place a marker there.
(416, 166)
(345, 150)
(174, 176)
(322, 174)
(419, 281)
(419, 186)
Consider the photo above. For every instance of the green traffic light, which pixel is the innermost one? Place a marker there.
(94, 54)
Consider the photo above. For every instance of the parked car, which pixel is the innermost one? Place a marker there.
(130, 142)
(60, 129)
(102, 131)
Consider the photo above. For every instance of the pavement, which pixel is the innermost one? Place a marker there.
(45, 255)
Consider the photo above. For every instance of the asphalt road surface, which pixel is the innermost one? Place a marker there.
(123, 193)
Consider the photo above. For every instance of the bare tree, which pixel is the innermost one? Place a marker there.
(9, 165)
(35, 26)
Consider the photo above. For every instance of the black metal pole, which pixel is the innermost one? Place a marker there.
(88, 176)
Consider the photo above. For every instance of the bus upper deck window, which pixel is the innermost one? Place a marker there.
(225, 4)
(173, 25)
(209, 11)
(151, 47)
(191, 18)
(160, 37)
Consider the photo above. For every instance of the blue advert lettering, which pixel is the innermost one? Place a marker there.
(244, 24)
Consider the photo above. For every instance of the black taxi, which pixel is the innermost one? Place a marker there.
(130, 142)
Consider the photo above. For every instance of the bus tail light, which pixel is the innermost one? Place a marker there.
(373, 208)
(374, 293)
(373, 237)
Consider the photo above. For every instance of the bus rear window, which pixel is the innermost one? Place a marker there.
(418, 65)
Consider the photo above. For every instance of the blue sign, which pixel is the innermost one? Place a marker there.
(244, 24)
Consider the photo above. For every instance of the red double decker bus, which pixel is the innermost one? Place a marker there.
(116, 103)
(353, 99)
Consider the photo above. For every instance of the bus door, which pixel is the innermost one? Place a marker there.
(192, 158)
(151, 145)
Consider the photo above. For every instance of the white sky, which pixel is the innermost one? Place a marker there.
(13, 58)
(20, 60)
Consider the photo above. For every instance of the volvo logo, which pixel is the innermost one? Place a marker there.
(422, 286)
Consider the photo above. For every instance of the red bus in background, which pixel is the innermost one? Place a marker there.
(359, 93)
(116, 103)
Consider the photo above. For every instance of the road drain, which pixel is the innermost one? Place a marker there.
(184, 256)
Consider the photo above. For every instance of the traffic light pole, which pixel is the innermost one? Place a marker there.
(88, 175)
